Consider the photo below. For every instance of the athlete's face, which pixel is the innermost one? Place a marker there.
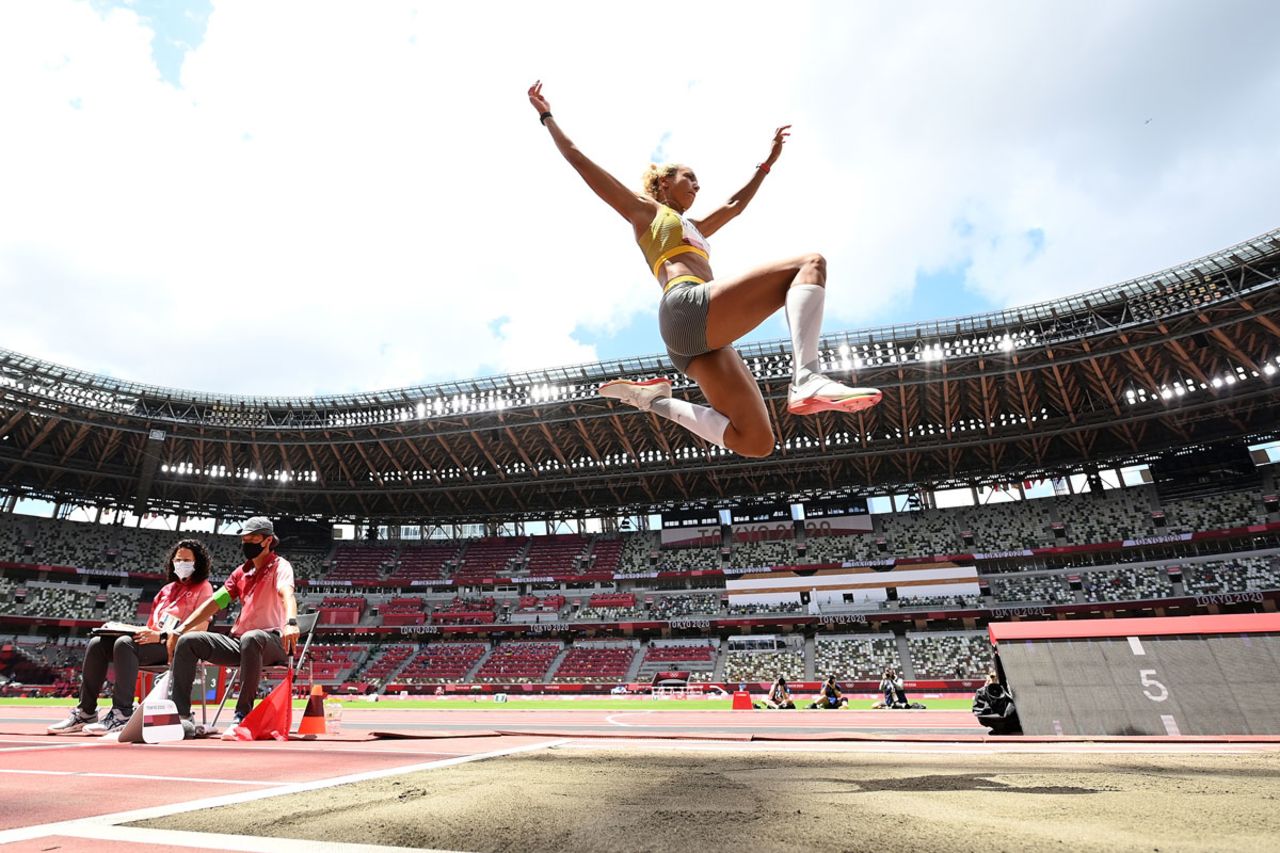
(682, 188)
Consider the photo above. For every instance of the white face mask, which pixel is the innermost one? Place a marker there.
(183, 569)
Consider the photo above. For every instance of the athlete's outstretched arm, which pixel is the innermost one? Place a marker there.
(717, 219)
(627, 203)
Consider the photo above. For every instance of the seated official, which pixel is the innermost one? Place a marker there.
(895, 695)
(188, 570)
(994, 708)
(778, 698)
(265, 632)
(829, 695)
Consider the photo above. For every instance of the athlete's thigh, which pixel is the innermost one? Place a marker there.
(740, 303)
(731, 390)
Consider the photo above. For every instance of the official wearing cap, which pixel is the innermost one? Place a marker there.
(265, 632)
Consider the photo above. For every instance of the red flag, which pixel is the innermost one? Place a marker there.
(273, 716)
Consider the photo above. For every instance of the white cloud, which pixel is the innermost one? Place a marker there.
(371, 176)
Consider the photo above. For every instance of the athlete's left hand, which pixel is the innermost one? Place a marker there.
(779, 139)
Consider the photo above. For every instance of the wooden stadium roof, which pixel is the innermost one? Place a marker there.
(1179, 358)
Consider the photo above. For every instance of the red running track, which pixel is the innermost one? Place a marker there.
(80, 788)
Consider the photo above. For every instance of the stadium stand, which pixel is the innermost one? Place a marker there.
(920, 602)
(466, 611)
(490, 557)
(677, 606)
(750, 665)
(822, 548)
(596, 661)
(386, 662)
(1126, 584)
(697, 657)
(606, 555)
(428, 561)
(358, 563)
(1242, 574)
(555, 554)
(855, 657)
(1031, 588)
(518, 663)
(942, 654)
(341, 610)
(441, 662)
(638, 549)
(402, 611)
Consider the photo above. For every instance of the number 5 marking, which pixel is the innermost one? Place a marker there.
(1162, 692)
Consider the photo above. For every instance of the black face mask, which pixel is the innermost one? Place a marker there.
(251, 549)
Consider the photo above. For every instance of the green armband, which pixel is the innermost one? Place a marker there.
(222, 597)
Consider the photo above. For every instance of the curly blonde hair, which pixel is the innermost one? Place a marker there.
(653, 177)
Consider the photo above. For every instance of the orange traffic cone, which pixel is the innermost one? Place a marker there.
(312, 722)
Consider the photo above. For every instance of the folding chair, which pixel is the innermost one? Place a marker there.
(306, 629)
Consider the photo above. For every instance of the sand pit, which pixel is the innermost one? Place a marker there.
(660, 800)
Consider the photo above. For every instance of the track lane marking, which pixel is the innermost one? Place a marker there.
(143, 776)
(84, 827)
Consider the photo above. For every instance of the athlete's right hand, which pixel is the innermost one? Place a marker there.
(535, 97)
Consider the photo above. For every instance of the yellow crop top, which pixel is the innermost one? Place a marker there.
(670, 234)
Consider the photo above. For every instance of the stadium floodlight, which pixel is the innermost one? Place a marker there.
(1269, 369)
(1006, 344)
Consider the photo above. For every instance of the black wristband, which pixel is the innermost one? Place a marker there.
(543, 118)
(293, 622)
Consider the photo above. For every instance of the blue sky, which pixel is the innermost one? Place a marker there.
(301, 197)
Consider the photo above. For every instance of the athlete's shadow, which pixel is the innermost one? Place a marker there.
(952, 782)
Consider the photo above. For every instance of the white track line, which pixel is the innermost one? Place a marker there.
(223, 841)
(198, 780)
(613, 721)
(227, 746)
(864, 747)
(32, 747)
(84, 827)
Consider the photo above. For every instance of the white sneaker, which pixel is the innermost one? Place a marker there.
(74, 722)
(817, 393)
(638, 394)
(114, 721)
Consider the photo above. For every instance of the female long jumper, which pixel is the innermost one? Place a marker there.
(700, 316)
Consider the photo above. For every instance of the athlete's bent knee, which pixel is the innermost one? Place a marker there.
(813, 270)
(755, 446)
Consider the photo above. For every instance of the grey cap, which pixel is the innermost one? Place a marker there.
(258, 524)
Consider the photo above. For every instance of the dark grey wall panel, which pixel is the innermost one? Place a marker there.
(1220, 684)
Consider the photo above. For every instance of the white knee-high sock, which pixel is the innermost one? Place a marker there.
(804, 315)
(703, 421)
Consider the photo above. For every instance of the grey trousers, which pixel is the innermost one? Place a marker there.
(127, 655)
(250, 652)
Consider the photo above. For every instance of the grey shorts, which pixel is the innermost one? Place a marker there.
(682, 321)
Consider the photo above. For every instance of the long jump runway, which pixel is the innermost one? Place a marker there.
(75, 792)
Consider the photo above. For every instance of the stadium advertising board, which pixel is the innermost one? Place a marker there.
(852, 587)
(701, 517)
(836, 508)
(840, 525)
(760, 513)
